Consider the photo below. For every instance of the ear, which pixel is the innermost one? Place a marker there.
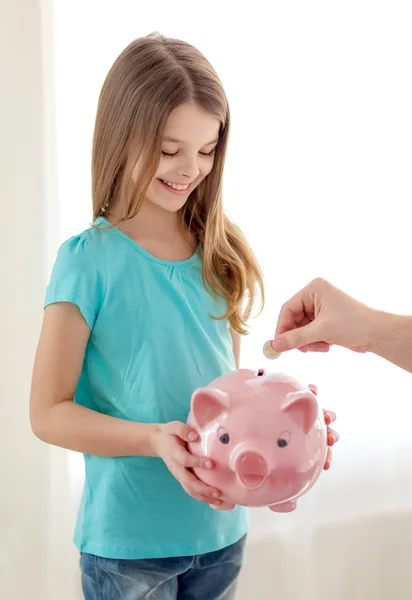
(209, 404)
(302, 407)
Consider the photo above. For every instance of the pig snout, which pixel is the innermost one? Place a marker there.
(251, 469)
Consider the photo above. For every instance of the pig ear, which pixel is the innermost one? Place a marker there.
(209, 404)
(302, 407)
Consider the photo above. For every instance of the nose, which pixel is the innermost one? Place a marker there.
(250, 462)
(189, 169)
(251, 470)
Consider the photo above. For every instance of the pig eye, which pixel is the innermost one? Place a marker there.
(284, 439)
(223, 436)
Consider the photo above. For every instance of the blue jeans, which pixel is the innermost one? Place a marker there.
(211, 576)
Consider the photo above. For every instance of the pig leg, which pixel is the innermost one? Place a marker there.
(223, 506)
(283, 508)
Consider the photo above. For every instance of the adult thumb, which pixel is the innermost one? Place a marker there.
(296, 338)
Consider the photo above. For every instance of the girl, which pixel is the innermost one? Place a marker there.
(141, 309)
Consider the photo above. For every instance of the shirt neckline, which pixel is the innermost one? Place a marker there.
(168, 263)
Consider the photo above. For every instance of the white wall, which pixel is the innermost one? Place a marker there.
(24, 461)
(27, 215)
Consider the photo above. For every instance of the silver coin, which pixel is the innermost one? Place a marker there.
(269, 352)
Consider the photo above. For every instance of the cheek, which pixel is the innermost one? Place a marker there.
(293, 454)
(162, 169)
(206, 167)
(220, 452)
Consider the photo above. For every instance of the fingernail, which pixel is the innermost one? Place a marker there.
(279, 345)
(192, 436)
(208, 464)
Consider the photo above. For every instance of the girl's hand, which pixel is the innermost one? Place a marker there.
(170, 445)
(333, 436)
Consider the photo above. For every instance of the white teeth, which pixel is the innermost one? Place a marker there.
(176, 186)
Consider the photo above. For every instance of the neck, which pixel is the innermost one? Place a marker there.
(153, 221)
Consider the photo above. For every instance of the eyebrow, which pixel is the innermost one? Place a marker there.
(175, 141)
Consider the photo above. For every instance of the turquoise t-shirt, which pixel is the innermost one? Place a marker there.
(152, 343)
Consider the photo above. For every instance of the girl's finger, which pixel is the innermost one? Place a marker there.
(190, 461)
(333, 436)
(194, 486)
(329, 416)
(328, 460)
(183, 431)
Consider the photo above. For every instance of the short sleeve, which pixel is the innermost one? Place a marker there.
(77, 278)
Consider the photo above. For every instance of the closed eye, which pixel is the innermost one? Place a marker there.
(211, 153)
(173, 154)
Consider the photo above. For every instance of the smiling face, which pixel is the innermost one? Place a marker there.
(188, 147)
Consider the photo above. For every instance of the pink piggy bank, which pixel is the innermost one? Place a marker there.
(265, 433)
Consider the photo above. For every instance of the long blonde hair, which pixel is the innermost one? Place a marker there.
(152, 77)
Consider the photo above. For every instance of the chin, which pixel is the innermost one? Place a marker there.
(173, 204)
(172, 207)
